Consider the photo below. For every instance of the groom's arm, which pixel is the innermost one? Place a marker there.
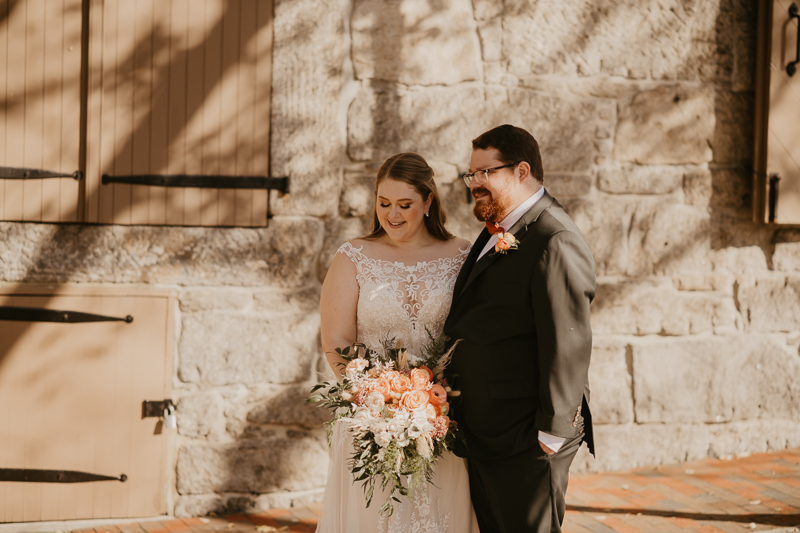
(561, 292)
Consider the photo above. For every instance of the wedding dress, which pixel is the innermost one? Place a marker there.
(404, 302)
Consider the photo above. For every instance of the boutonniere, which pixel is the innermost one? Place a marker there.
(505, 240)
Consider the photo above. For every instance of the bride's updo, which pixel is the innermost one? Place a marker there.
(412, 169)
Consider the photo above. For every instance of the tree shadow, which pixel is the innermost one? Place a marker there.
(765, 519)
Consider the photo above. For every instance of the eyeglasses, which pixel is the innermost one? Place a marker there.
(482, 176)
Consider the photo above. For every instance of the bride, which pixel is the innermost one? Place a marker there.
(397, 282)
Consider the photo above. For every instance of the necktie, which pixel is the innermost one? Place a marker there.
(494, 227)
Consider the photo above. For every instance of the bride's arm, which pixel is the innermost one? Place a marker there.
(338, 305)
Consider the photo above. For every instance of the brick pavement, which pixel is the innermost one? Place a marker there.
(756, 493)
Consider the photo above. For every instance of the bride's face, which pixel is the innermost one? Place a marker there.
(400, 209)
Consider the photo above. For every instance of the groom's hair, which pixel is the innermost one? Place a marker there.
(515, 145)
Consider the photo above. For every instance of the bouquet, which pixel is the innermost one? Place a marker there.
(396, 412)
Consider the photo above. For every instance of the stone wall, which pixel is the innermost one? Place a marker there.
(643, 110)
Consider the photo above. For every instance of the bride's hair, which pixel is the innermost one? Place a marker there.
(412, 169)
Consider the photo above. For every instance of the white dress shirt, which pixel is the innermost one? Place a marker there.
(551, 441)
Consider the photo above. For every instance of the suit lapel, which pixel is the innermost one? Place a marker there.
(518, 230)
(469, 262)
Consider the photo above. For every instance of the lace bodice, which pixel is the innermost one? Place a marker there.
(404, 302)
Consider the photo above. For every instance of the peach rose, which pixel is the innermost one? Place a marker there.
(430, 372)
(382, 386)
(389, 375)
(438, 394)
(400, 383)
(414, 399)
(505, 241)
(420, 379)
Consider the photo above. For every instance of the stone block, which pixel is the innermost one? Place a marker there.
(287, 301)
(732, 141)
(605, 225)
(221, 348)
(713, 379)
(669, 39)
(770, 302)
(670, 125)
(309, 50)
(290, 463)
(358, 194)
(289, 407)
(610, 383)
(444, 173)
(627, 446)
(337, 232)
(655, 307)
(632, 179)
(786, 257)
(461, 221)
(200, 415)
(189, 505)
(731, 187)
(668, 239)
(744, 50)
(697, 188)
(415, 42)
(739, 260)
(282, 255)
(568, 185)
(384, 120)
(206, 299)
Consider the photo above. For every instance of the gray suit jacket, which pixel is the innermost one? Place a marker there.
(523, 320)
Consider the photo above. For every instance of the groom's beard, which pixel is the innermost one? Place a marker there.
(491, 210)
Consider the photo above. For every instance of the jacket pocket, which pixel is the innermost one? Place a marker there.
(509, 390)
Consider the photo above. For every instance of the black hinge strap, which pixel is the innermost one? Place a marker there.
(772, 197)
(15, 173)
(31, 475)
(203, 182)
(35, 314)
(794, 13)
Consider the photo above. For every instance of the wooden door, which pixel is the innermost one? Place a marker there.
(40, 102)
(71, 399)
(777, 154)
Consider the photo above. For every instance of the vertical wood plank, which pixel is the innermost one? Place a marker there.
(262, 114)
(141, 123)
(159, 142)
(177, 90)
(35, 31)
(209, 213)
(53, 85)
(15, 97)
(245, 115)
(108, 82)
(3, 127)
(95, 195)
(126, 25)
(70, 109)
(195, 96)
(227, 132)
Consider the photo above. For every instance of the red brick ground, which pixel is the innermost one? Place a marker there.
(756, 493)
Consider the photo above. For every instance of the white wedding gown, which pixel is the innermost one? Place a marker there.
(400, 301)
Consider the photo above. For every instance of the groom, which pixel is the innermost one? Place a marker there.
(522, 363)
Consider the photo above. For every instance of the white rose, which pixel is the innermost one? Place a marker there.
(383, 439)
(374, 401)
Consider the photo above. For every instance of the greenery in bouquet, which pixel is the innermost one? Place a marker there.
(396, 406)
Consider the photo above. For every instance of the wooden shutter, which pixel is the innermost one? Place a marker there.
(777, 127)
(40, 102)
(71, 399)
(179, 87)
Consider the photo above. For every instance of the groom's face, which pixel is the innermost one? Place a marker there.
(493, 197)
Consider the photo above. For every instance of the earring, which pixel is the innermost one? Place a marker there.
(426, 214)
